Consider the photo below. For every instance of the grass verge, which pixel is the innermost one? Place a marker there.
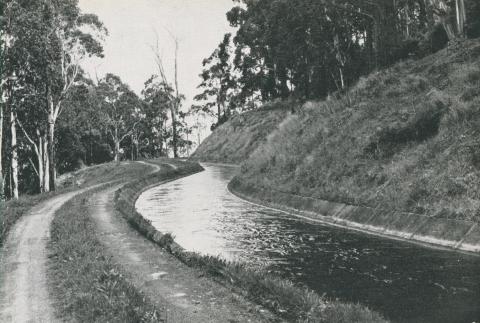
(87, 285)
(284, 298)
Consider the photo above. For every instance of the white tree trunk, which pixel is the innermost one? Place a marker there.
(117, 145)
(14, 163)
(39, 152)
(51, 144)
(46, 165)
(461, 17)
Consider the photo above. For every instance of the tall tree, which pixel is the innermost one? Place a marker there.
(157, 96)
(217, 82)
(120, 107)
(66, 46)
(177, 97)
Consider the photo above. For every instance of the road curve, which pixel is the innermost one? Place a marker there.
(23, 280)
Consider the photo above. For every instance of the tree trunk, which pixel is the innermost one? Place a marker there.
(51, 139)
(342, 79)
(174, 131)
(117, 146)
(51, 154)
(136, 150)
(117, 151)
(46, 165)
(175, 105)
(131, 148)
(41, 176)
(461, 17)
(1, 151)
(14, 162)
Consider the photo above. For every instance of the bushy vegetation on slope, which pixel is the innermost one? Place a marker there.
(406, 138)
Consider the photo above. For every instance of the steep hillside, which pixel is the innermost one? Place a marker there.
(406, 138)
(236, 139)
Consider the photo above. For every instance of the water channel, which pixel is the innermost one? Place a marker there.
(403, 281)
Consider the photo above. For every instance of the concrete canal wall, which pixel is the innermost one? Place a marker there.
(440, 232)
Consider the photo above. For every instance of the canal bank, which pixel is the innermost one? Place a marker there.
(450, 234)
(403, 281)
(271, 293)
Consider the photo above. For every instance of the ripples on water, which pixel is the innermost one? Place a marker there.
(405, 282)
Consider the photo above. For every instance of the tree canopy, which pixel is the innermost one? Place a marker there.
(306, 49)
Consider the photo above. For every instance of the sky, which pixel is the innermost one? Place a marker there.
(199, 25)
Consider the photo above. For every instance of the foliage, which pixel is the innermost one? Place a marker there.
(218, 84)
(157, 100)
(307, 49)
(121, 110)
(43, 43)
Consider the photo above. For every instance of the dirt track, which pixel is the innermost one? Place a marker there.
(23, 288)
(183, 293)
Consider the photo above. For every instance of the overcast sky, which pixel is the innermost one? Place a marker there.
(198, 24)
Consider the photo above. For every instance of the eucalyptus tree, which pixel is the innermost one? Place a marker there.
(44, 42)
(120, 109)
(218, 82)
(176, 100)
(308, 48)
(71, 36)
(157, 97)
(22, 31)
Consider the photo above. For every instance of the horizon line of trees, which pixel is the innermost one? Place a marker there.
(308, 49)
(54, 119)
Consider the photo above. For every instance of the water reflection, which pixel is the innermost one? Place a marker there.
(405, 282)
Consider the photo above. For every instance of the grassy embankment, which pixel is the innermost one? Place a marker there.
(284, 298)
(15, 209)
(240, 136)
(406, 139)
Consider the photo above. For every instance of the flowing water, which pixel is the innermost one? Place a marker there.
(403, 281)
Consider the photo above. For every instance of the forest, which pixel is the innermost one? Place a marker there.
(55, 118)
(309, 49)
